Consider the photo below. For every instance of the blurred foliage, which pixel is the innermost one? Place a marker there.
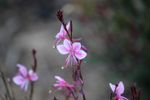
(126, 30)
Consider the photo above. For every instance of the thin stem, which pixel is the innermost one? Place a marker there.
(76, 98)
(71, 28)
(5, 83)
(31, 90)
(82, 92)
(34, 69)
(139, 94)
(25, 96)
(6, 97)
(1, 97)
(111, 96)
(12, 91)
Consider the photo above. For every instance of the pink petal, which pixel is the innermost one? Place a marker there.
(68, 25)
(59, 35)
(63, 31)
(18, 80)
(67, 44)
(124, 98)
(59, 85)
(80, 54)
(63, 85)
(22, 70)
(76, 46)
(112, 87)
(62, 49)
(61, 80)
(71, 86)
(26, 85)
(120, 87)
(77, 39)
(33, 76)
(22, 85)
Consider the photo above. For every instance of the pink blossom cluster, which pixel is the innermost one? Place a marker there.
(76, 53)
(74, 49)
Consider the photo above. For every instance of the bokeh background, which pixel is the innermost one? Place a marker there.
(116, 33)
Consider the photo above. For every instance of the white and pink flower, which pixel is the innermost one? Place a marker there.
(61, 83)
(23, 77)
(118, 89)
(61, 35)
(74, 51)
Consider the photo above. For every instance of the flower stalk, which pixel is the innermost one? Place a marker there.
(5, 83)
(76, 51)
(34, 69)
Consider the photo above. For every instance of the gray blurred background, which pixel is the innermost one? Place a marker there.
(115, 32)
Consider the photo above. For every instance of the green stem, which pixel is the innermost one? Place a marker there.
(31, 91)
(6, 87)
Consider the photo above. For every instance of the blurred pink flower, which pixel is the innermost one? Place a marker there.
(74, 50)
(23, 77)
(61, 35)
(62, 83)
(118, 89)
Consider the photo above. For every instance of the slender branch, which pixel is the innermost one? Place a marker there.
(11, 89)
(34, 69)
(82, 92)
(76, 98)
(5, 83)
(71, 28)
(1, 97)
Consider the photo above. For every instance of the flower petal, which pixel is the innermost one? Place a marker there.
(33, 76)
(67, 44)
(59, 85)
(124, 98)
(22, 85)
(22, 70)
(76, 46)
(59, 35)
(18, 80)
(68, 25)
(26, 85)
(62, 49)
(112, 87)
(120, 87)
(80, 54)
(63, 31)
(61, 80)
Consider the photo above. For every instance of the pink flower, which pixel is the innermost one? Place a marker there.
(62, 34)
(118, 89)
(62, 83)
(74, 51)
(23, 77)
